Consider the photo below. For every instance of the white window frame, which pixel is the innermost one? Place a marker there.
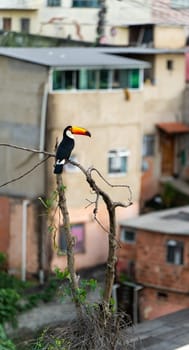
(113, 153)
(123, 232)
(178, 254)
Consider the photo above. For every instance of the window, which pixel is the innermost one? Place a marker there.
(104, 79)
(179, 4)
(120, 79)
(53, 3)
(127, 235)
(78, 232)
(7, 24)
(148, 145)
(64, 80)
(117, 161)
(175, 252)
(85, 79)
(169, 64)
(134, 79)
(25, 25)
(86, 3)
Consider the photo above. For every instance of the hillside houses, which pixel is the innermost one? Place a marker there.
(129, 97)
(40, 77)
(79, 19)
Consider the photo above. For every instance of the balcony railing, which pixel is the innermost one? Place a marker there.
(19, 4)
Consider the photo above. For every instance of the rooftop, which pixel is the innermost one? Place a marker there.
(173, 128)
(72, 57)
(142, 50)
(170, 332)
(169, 221)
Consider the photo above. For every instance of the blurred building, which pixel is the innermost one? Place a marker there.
(130, 98)
(79, 19)
(45, 90)
(154, 253)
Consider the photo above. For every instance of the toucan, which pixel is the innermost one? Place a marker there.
(66, 146)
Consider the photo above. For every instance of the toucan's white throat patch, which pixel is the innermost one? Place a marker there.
(69, 134)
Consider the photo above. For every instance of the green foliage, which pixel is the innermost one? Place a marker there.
(62, 275)
(3, 261)
(50, 342)
(123, 277)
(9, 305)
(45, 295)
(81, 291)
(172, 197)
(9, 281)
(5, 343)
(49, 202)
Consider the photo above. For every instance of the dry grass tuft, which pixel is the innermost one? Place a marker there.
(92, 333)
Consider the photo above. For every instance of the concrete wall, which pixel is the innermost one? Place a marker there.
(81, 23)
(16, 17)
(21, 96)
(163, 101)
(78, 23)
(163, 98)
(172, 37)
(112, 125)
(115, 124)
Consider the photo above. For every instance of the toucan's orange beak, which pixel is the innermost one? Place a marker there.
(80, 131)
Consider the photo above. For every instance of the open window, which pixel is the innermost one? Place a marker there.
(175, 252)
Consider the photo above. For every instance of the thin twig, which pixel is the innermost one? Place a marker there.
(26, 173)
(27, 149)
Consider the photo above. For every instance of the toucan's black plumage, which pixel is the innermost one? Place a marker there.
(66, 146)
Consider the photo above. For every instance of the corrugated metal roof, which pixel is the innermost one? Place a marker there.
(72, 57)
(173, 128)
(169, 221)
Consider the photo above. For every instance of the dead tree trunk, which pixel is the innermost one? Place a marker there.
(70, 242)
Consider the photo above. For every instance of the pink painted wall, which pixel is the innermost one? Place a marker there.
(96, 239)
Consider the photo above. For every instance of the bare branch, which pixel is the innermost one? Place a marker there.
(98, 191)
(26, 173)
(27, 149)
(111, 207)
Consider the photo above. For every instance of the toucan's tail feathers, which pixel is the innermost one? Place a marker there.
(58, 168)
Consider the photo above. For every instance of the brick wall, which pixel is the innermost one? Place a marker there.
(151, 265)
(154, 303)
